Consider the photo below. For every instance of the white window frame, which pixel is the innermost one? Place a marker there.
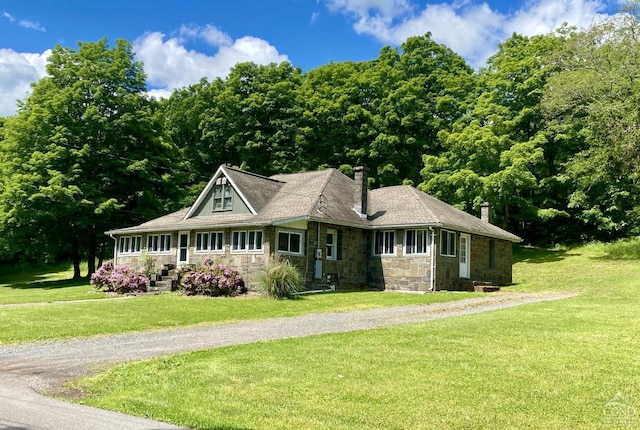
(161, 244)
(331, 252)
(129, 245)
(450, 237)
(289, 234)
(222, 193)
(388, 242)
(419, 246)
(214, 242)
(252, 241)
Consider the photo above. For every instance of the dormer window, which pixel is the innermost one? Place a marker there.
(222, 195)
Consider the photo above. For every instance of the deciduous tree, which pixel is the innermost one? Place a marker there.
(83, 154)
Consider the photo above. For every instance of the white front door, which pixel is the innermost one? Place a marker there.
(465, 242)
(183, 247)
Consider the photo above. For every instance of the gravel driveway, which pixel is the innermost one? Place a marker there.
(29, 369)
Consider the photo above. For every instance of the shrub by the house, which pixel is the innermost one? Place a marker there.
(210, 278)
(119, 279)
(280, 279)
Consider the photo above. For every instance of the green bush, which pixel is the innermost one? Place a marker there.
(280, 279)
(148, 264)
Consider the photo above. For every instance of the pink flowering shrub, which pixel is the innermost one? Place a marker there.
(210, 279)
(118, 279)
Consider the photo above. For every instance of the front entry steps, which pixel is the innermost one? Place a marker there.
(477, 286)
(165, 279)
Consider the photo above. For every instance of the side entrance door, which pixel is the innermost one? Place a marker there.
(183, 247)
(465, 242)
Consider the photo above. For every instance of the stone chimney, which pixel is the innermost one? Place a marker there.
(485, 212)
(361, 176)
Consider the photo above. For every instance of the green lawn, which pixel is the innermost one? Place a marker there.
(46, 285)
(63, 320)
(552, 365)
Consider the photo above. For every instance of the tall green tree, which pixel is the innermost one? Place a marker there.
(386, 113)
(83, 154)
(496, 152)
(596, 92)
(252, 121)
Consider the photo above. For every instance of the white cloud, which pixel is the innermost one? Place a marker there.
(469, 28)
(167, 62)
(24, 23)
(544, 16)
(17, 72)
(170, 65)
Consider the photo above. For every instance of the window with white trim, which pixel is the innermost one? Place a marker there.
(158, 243)
(447, 243)
(416, 242)
(222, 195)
(209, 241)
(384, 242)
(290, 242)
(332, 244)
(246, 241)
(130, 244)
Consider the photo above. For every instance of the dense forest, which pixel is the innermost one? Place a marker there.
(547, 132)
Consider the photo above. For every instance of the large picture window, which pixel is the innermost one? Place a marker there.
(158, 243)
(448, 243)
(290, 242)
(246, 241)
(129, 244)
(384, 242)
(210, 241)
(416, 242)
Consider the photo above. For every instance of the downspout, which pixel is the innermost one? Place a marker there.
(432, 286)
(115, 250)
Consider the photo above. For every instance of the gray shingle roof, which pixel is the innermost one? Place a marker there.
(404, 205)
(328, 196)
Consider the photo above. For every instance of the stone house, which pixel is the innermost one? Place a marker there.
(339, 233)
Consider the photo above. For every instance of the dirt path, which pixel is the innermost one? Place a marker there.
(27, 369)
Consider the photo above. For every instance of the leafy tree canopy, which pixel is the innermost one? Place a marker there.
(84, 153)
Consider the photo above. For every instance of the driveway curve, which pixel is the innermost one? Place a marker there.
(27, 370)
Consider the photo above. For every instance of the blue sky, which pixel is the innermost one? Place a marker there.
(182, 41)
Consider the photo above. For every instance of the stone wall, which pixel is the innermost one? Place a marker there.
(348, 270)
(248, 264)
(500, 271)
(399, 272)
(356, 267)
(497, 273)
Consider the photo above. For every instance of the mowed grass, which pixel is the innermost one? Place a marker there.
(47, 285)
(64, 320)
(572, 363)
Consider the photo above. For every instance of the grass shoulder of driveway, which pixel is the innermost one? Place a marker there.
(170, 310)
(570, 363)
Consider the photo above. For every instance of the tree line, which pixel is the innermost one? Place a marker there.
(547, 132)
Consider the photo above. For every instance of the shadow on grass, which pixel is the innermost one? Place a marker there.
(526, 254)
(48, 285)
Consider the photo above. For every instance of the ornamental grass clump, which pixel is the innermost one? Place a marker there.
(210, 279)
(110, 278)
(280, 279)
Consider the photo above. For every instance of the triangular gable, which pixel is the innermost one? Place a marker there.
(221, 175)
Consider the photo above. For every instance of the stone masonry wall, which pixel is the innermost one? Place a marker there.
(399, 272)
(348, 269)
(501, 272)
(447, 268)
